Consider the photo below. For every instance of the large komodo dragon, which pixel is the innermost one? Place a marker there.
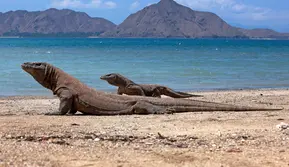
(126, 86)
(76, 96)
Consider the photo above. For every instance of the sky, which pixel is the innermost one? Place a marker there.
(272, 14)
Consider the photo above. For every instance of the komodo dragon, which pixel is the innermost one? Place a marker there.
(126, 86)
(76, 96)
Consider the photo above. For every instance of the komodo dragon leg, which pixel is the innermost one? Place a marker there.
(137, 89)
(119, 91)
(66, 103)
(142, 107)
(156, 93)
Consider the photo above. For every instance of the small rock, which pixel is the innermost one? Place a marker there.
(96, 139)
(181, 145)
(219, 133)
(282, 126)
(149, 143)
(8, 137)
(286, 132)
(29, 138)
(74, 124)
(88, 137)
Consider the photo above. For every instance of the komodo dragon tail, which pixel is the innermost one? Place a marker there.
(185, 105)
(169, 92)
(187, 94)
(179, 109)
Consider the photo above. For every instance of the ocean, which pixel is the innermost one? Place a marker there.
(182, 64)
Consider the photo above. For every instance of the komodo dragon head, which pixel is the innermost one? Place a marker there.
(42, 72)
(116, 79)
(112, 78)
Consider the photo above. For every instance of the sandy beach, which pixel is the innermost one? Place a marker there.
(29, 138)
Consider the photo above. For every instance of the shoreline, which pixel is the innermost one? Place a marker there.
(51, 96)
(98, 37)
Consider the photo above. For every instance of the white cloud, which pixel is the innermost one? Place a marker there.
(232, 9)
(66, 3)
(239, 7)
(240, 13)
(206, 4)
(134, 5)
(110, 4)
(80, 4)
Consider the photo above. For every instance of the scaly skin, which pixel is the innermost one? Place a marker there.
(126, 86)
(76, 96)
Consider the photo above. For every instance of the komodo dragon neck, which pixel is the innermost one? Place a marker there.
(50, 78)
(122, 81)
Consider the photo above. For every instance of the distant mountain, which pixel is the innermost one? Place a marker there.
(52, 22)
(162, 20)
(170, 19)
(264, 33)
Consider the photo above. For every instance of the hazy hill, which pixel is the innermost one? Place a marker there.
(264, 33)
(51, 21)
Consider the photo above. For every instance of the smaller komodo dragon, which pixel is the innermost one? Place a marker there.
(76, 96)
(126, 86)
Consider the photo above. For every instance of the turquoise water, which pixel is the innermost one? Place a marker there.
(182, 64)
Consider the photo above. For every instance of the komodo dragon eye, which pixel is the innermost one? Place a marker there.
(38, 64)
(110, 75)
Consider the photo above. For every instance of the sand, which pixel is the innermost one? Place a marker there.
(29, 138)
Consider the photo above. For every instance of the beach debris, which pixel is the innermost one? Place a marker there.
(282, 126)
(75, 124)
(160, 136)
(234, 150)
(58, 141)
(280, 119)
